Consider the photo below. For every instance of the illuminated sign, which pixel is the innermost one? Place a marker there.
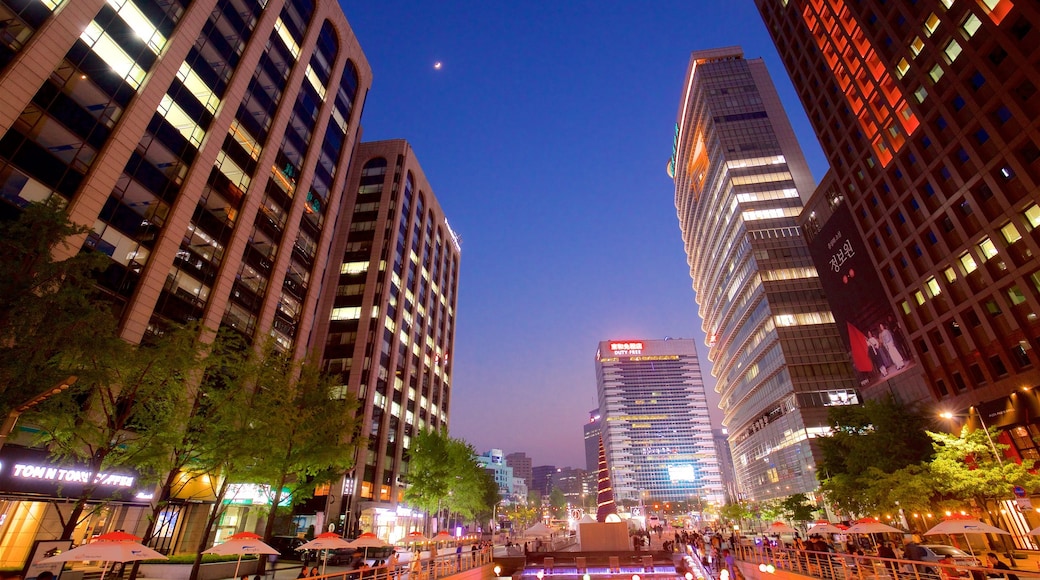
(48, 473)
(619, 348)
(255, 494)
(34, 472)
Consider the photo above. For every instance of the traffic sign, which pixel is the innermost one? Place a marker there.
(1019, 491)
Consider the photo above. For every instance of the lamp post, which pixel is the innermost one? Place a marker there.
(12, 417)
(992, 445)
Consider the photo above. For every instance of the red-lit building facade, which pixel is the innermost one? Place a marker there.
(928, 114)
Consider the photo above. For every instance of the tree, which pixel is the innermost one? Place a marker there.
(125, 407)
(868, 441)
(735, 511)
(965, 468)
(557, 503)
(50, 310)
(300, 436)
(429, 467)
(798, 508)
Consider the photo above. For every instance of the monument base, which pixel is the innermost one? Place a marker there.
(603, 537)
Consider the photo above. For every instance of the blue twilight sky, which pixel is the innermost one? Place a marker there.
(545, 135)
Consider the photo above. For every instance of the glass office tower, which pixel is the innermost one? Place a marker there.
(740, 180)
(655, 424)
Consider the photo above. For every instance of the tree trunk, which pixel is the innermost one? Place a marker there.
(218, 508)
(85, 496)
(269, 526)
(161, 502)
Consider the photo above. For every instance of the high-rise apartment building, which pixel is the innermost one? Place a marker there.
(392, 292)
(929, 115)
(740, 181)
(522, 467)
(206, 144)
(656, 426)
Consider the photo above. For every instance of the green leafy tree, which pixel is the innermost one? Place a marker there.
(299, 434)
(736, 512)
(50, 311)
(557, 503)
(770, 510)
(428, 471)
(867, 441)
(798, 508)
(123, 410)
(965, 468)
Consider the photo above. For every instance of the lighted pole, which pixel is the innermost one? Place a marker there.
(12, 417)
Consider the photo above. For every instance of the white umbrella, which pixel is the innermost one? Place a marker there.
(111, 547)
(1033, 532)
(368, 540)
(325, 542)
(964, 525)
(242, 543)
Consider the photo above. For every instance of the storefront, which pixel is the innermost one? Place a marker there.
(37, 493)
(247, 506)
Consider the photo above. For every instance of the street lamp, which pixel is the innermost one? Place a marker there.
(12, 417)
(992, 445)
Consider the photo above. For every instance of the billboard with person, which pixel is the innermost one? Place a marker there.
(872, 333)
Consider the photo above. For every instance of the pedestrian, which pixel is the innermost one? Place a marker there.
(885, 551)
(996, 564)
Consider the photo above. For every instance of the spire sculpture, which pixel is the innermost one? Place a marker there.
(604, 492)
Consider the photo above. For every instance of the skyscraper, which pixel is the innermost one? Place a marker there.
(206, 144)
(392, 292)
(591, 431)
(655, 422)
(929, 115)
(740, 180)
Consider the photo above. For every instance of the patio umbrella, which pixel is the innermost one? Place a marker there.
(871, 526)
(415, 538)
(325, 542)
(963, 525)
(825, 527)
(1033, 532)
(367, 540)
(111, 547)
(242, 543)
(442, 536)
(780, 528)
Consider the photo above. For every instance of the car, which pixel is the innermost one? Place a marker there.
(286, 546)
(936, 552)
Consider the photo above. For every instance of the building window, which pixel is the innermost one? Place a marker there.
(971, 25)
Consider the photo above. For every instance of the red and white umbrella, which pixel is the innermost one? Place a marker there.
(780, 528)
(825, 527)
(110, 547)
(242, 543)
(415, 538)
(872, 526)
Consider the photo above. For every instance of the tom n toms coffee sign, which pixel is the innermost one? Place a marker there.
(34, 472)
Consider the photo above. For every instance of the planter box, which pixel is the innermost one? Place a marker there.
(213, 571)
